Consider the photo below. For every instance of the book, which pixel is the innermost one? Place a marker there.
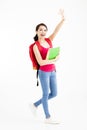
(53, 52)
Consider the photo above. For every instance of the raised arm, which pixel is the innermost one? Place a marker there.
(56, 30)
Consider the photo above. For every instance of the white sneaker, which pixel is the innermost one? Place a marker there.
(33, 109)
(51, 121)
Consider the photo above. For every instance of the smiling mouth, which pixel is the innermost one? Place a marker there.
(42, 34)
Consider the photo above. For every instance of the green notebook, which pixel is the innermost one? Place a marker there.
(53, 52)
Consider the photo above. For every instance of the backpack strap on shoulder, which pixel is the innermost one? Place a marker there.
(38, 45)
(49, 42)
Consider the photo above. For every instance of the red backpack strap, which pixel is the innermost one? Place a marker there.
(49, 42)
(47, 39)
(38, 45)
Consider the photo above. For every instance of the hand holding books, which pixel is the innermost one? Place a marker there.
(53, 53)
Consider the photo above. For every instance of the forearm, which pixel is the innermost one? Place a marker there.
(52, 36)
(58, 27)
(45, 62)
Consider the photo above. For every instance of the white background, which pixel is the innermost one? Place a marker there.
(18, 19)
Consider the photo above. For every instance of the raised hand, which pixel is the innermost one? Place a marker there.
(61, 12)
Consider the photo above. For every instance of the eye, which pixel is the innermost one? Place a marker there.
(41, 29)
(45, 30)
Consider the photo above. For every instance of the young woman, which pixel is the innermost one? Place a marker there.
(47, 70)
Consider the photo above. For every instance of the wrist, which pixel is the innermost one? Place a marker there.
(62, 20)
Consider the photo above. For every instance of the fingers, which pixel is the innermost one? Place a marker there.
(61, 12)
(57, 57)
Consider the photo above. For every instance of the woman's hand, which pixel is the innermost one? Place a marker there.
(61, 12)
(57, 58)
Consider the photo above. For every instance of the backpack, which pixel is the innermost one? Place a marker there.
(35, 64)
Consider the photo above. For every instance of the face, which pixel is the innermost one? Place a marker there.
(42, 30)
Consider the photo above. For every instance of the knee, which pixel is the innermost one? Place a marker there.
(45, 96)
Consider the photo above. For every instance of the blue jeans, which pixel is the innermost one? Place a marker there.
(49, 89)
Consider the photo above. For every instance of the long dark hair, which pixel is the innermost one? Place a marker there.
(37, 27)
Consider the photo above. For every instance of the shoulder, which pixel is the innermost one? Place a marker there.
(34, 46)
(37, 45)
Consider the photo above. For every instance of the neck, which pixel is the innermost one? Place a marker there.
(41, 40)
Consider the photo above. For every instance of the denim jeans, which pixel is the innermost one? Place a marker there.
(49, 89)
